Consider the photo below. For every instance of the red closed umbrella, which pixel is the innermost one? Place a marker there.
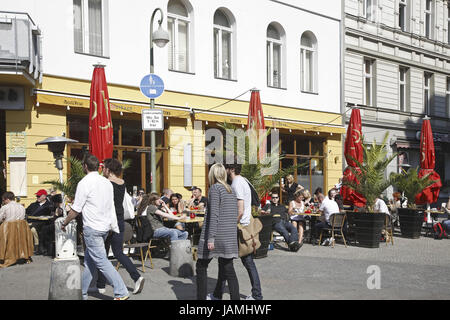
(353, 150)
(100, 122)
(427, 162)
(256, 119)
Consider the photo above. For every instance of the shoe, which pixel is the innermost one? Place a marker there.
(122, 298)
(250, 297)
(96, 290)
(211, 296)
(331, 241)
(138, 285)
(294, 246)
(326, 242)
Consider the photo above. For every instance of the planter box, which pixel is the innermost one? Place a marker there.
(264, 236)
(368, 228)
(411, 221)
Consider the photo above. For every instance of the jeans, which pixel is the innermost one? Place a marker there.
(287, 230)
(115, 240)
(226, 273)
(95, 258)
(172, 233)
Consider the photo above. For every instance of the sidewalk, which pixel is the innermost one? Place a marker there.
(411, 269)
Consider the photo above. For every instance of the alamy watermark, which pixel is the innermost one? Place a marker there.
(374, 280)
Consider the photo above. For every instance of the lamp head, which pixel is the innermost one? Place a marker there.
(160, 37)
(56, 145)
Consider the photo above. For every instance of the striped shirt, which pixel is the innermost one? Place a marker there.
(11, 212)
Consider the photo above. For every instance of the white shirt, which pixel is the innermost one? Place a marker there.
(243, 192)
(380, 206)
(95, 199)
(328, 207)
(12, 211)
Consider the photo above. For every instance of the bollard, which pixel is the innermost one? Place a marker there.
(181, 262)
(65, 278)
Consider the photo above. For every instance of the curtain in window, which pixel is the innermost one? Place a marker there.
(216, 52)
(307, 70)
(77, 26)
(276, 65)
(171, 31)
(226, 54)
(182, 46)
(95, 27)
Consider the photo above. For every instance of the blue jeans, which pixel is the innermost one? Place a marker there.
(172, 233)
(287, 230)
(95, 258)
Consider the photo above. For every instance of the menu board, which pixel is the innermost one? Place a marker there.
(17, 145)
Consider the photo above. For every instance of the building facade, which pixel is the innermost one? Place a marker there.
(397, 72)
(218, 52)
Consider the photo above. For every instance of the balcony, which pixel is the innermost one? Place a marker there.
(20, 50)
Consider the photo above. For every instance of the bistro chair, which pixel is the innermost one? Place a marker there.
(127, 236)
(337, 221)
(388, 229)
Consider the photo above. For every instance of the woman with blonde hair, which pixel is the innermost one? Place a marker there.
(219, 236)
(296, 208)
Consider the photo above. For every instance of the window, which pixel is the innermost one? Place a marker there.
(403, 15)
(178, 24)
(223, 45)
(308, 63)
(274, 56)
(427, 92)
(447, 98)
(448, 23)
(403, 82)
(368, 82)
(370, 10)
(428, 18)
(90, 24)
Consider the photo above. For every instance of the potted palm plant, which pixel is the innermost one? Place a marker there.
(371, 183)
(411, 218)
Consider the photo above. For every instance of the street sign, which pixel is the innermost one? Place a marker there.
(152, 120)
(152, 86)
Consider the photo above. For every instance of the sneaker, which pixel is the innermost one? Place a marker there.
(250, 297)
(331, 241)
(138, 285)
(326, 242)
(122, 298)
(211, 296)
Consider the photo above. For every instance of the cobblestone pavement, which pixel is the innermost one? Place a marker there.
(410, 269)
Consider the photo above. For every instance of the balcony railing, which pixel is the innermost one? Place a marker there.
(20, 46)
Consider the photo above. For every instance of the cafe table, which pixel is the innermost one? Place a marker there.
(313, 218)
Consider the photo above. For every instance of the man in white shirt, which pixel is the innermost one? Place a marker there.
(95, 199)
(380, 206)
(11, 210)
(328, 207)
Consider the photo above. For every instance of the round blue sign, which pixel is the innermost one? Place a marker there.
(152, 86)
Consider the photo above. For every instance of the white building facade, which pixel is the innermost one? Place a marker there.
(397, 71)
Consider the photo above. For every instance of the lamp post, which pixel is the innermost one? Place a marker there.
(65, 278)
(160, 37)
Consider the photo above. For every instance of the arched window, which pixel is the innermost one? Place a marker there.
(223, 44)
(308, 55)
(179, 24)
(275, 47)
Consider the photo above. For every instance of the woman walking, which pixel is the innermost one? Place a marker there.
(219, 236)
(112, 171)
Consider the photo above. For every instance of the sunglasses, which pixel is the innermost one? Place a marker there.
(275, 197)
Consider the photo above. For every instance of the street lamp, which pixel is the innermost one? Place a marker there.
(160, 37)
(65, 278)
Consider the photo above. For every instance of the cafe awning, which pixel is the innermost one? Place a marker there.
(78, 101)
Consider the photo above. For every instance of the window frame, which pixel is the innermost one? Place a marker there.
(427, 92)
(428, 19)
(218, 69)
(270, 42)
(403, 13)
(175, 36)
(370, 11)
(447, 97)
(405, 84)
(314, 70)
(371, 78)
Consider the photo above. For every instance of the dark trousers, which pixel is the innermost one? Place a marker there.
(319, 226)
(226, 273)
(115, 240)
(287, 230)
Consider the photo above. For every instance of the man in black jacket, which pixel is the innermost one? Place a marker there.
(42, 207)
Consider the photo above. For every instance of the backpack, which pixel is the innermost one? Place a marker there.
(255, 199)
(144, 230)
(439, 231)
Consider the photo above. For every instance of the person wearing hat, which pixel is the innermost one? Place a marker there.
(42, 207)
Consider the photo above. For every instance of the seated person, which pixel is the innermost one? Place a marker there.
(327, 207)
(166, 195)
(136, 199)
(11, 210)
(197, 199)
(281, 222)
(47, 233)
(42, 206)
(446, 223)
(175, 205)
(296, 208)
(149, 207)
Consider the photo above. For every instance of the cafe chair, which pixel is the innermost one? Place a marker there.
(127, 236)
(388, 229)
(337, 221)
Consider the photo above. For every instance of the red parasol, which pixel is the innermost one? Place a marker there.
(256, 119)
(427, 161)
(353, 148)
(100, 122)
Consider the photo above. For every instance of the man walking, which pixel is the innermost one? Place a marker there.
(244, 196)
(95, 198)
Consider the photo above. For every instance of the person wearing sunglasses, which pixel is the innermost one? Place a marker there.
(281, 222)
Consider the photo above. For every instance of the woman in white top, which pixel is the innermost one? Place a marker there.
(296, 208)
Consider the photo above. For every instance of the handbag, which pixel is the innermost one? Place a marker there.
(248, 237)
(128, 207)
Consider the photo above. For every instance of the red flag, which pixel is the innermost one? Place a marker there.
(353, 148)
(427, 162)
(256, 120)
(100, 122)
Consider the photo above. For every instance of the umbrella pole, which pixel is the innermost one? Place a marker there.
(428, 214)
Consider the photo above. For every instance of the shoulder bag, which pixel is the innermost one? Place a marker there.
(248, 237)
(128, 207)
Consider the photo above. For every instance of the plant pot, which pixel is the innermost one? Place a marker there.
(368, 228)
(411, 221)
(264, 236)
